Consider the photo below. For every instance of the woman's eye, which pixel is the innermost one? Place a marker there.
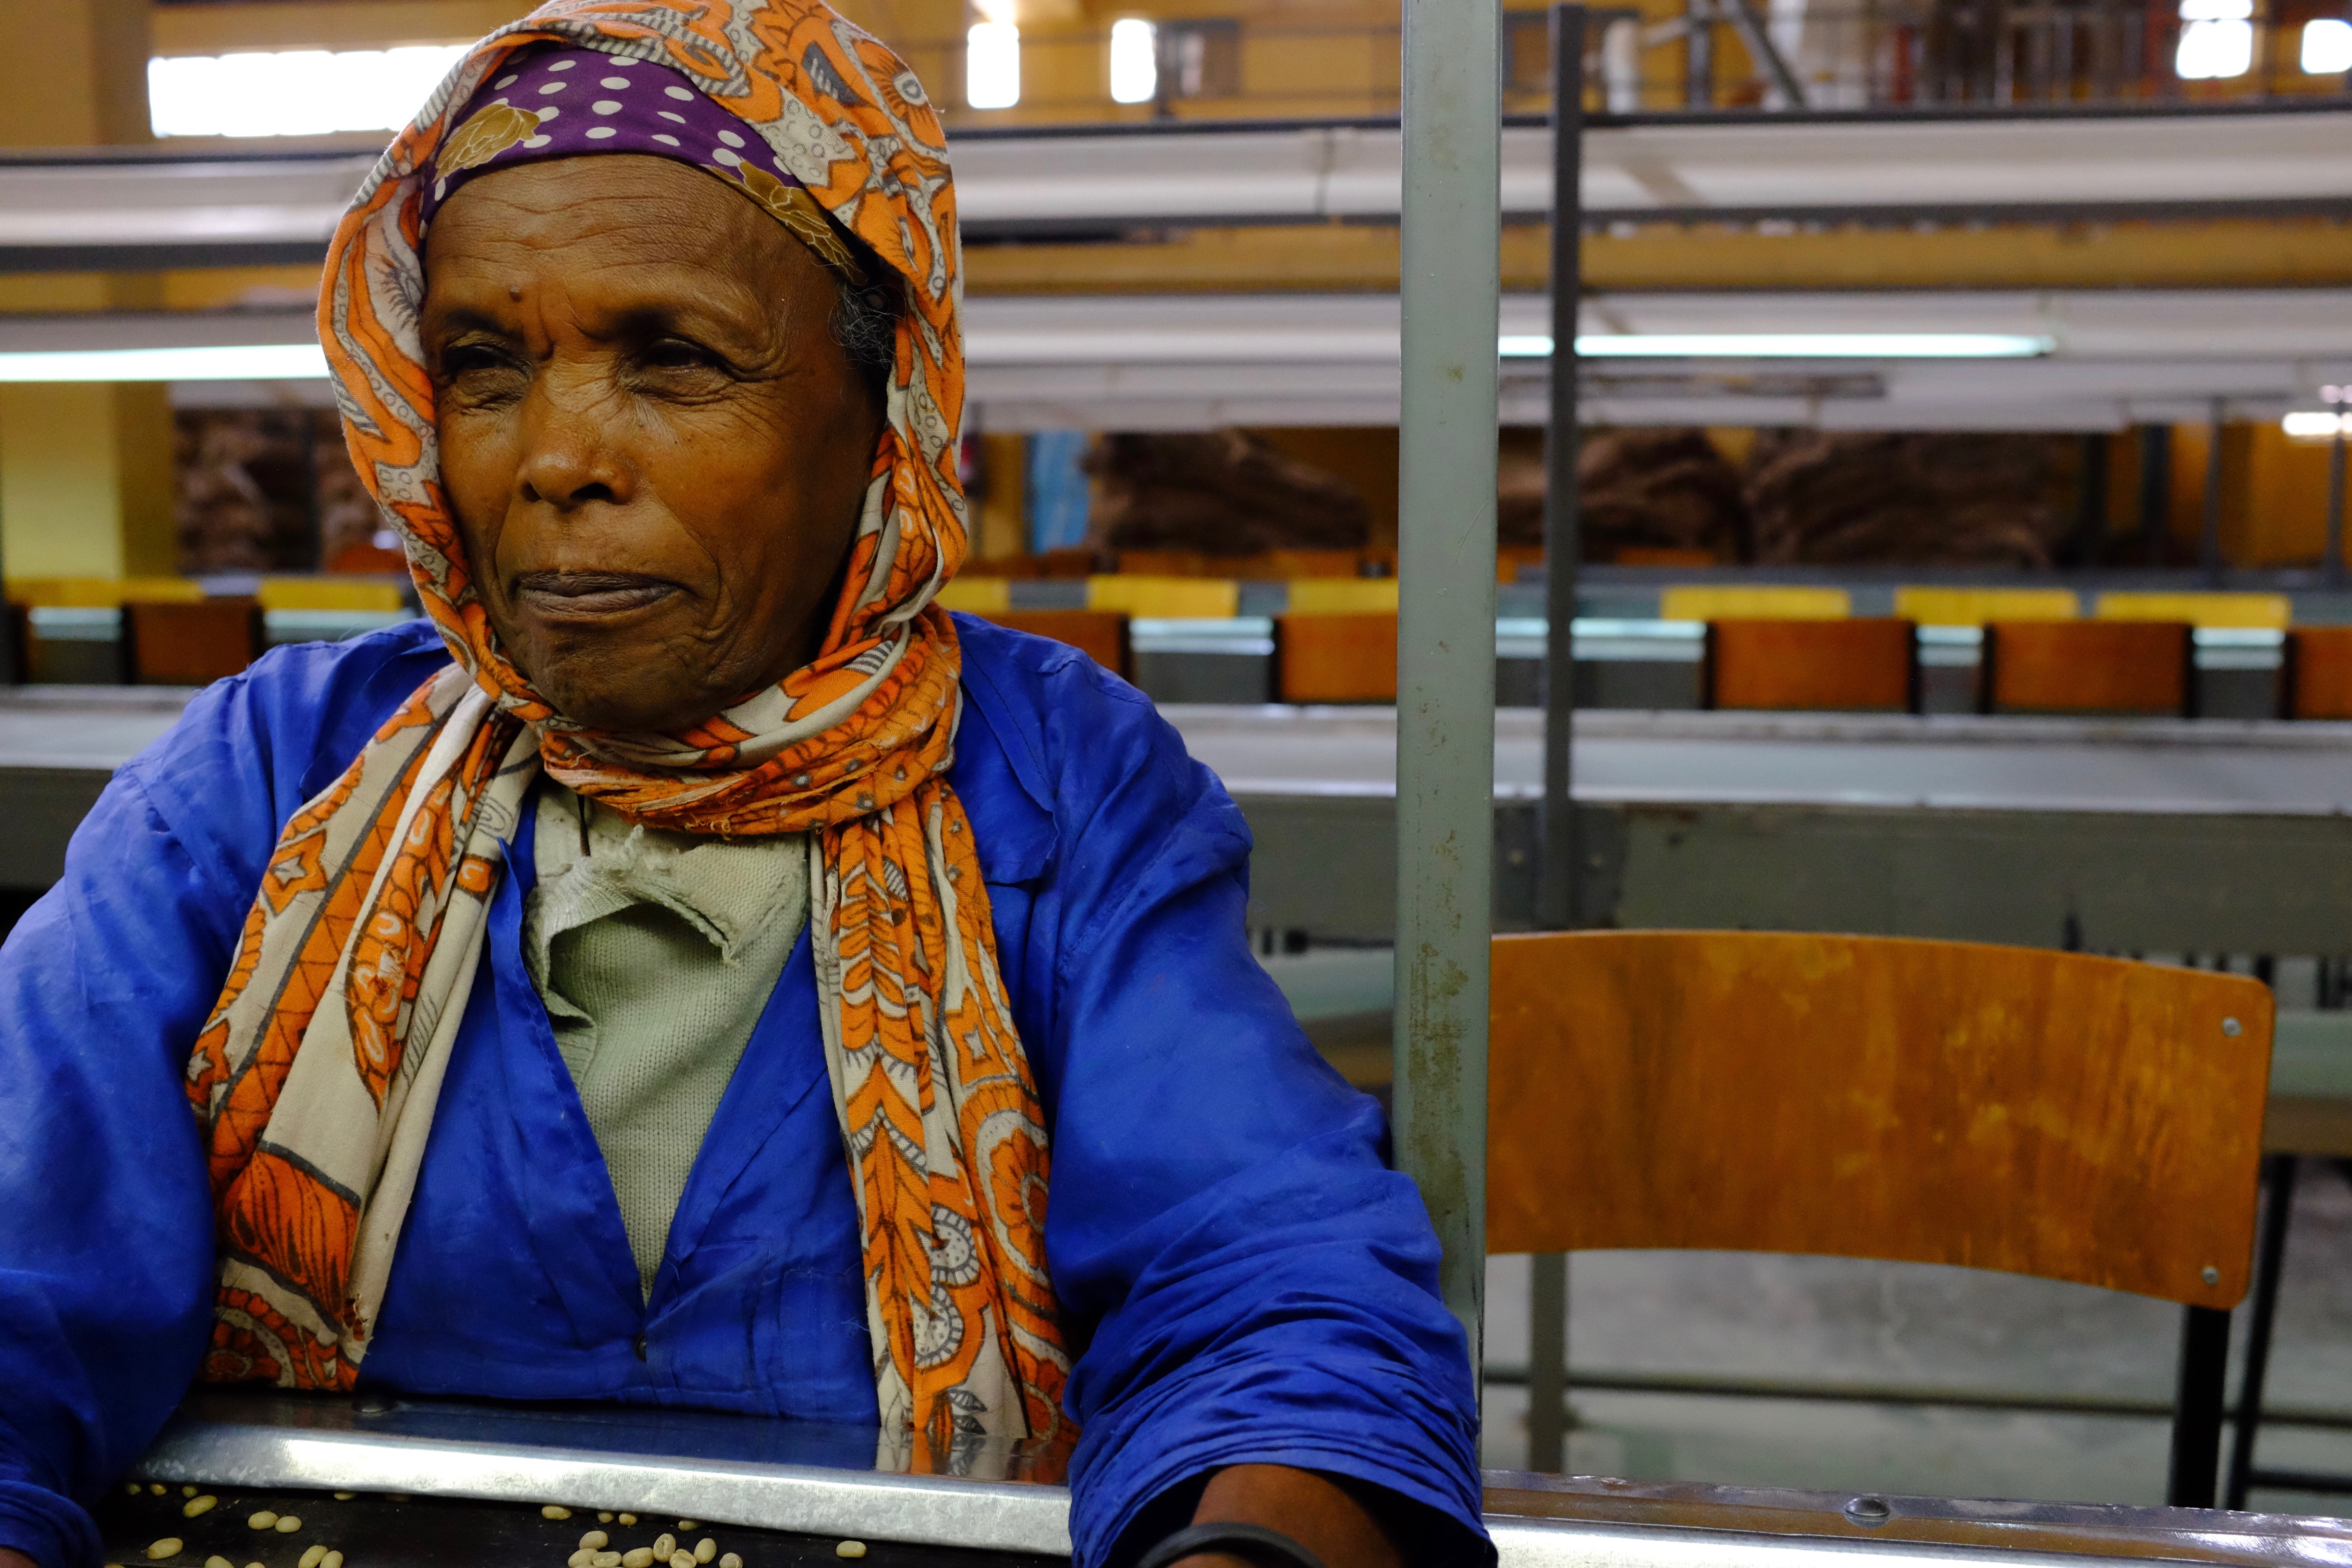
(673, 353)
(469, 359)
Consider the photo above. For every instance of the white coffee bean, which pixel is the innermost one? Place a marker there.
(313, 1554)
(264, 1519)
(681, 1559)
(850, 1549)
(594, 1540)
(167, 1547)
(288, 1524)
(664, 1545)
(199, 1505)
(705, 1550)
(730, 1560)
(639, 1557)
(554, 1511)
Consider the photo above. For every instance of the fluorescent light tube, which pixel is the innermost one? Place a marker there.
(247, 362)
(1787, 345)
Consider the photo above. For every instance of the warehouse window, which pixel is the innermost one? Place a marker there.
(2219, 40)
(991, 68)
(293, 93)
(1134, 60)
(2326, 47)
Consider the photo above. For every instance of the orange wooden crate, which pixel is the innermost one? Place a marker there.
(2088, 667)
(2316, 682)
(1868, 665)
(1336, 658)
(191, 644)
(1100, 635)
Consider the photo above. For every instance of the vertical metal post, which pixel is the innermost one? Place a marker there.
(1563, 543)
(2208, 543)
(1563, 550)
(2155, 490)
(2331, 568)
(1445, 625)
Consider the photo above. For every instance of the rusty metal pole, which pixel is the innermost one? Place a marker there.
(1445, 625)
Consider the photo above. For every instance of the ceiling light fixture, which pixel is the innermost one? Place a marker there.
(244, 362)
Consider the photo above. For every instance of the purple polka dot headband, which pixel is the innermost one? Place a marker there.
(567, 103)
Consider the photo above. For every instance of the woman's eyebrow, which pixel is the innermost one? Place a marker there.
(463, 319)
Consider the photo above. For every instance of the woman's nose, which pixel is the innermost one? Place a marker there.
(573, 458)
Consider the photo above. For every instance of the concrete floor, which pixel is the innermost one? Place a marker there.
(1828, 1319)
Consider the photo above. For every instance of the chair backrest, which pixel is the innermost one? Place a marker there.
(2146, 667)
(2046, 1113)
(2315, 680)
(1336, 658)
(185, 644)
(1100, 635)
(1863, 665)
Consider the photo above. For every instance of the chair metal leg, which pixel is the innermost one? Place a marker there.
(2197, 1407)
(2278, 1207)
(1548, 1363)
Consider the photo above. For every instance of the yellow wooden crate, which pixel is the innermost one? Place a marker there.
(329, 593)
(1707, 602)
(979, 595)
(1167, 598)
(2269, 612)
(1975, 606)
(1343, 596)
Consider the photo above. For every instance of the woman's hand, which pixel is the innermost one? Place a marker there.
(15, 1560)
(1317, 1513)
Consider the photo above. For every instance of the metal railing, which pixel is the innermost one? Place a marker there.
(1721, 56)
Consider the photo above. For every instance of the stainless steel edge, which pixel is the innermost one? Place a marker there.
(928, 1509)
(1571, 1543)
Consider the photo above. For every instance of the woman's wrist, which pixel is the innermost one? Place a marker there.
(1315, 1511)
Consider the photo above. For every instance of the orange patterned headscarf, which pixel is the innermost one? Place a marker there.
(316, 1073)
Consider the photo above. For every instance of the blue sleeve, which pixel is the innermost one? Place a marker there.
(1259, 1286)
(106, 1243)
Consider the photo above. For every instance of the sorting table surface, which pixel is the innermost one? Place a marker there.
(1937, 762)
(378, 1531)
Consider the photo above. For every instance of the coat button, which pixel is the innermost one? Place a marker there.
(640, 1343)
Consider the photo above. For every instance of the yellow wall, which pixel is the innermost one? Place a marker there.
(85, 480)
(75, 74)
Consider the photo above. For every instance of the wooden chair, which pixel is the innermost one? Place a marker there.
(2315, 678)
(1335, 657)
(2140, 667)
(1100, 635)
(190, 643)
(2039, 1113)
(1869, 665)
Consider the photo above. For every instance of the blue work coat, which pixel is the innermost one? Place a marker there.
(1243, 1281)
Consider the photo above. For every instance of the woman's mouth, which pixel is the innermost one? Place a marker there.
(588, 595)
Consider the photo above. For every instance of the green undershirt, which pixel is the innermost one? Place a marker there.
(655, 953)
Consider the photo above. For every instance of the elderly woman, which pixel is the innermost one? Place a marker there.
(688, 966)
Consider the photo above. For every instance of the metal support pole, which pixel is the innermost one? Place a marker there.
(1563, 545)
(1555, 869)
(2331, 568)
(2155, 490)
(2209, 543)
(1548, 1419)
(1445, 625)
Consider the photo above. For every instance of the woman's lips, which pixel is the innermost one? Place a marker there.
(589, 595)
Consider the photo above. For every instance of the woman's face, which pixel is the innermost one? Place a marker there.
(656, 449)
